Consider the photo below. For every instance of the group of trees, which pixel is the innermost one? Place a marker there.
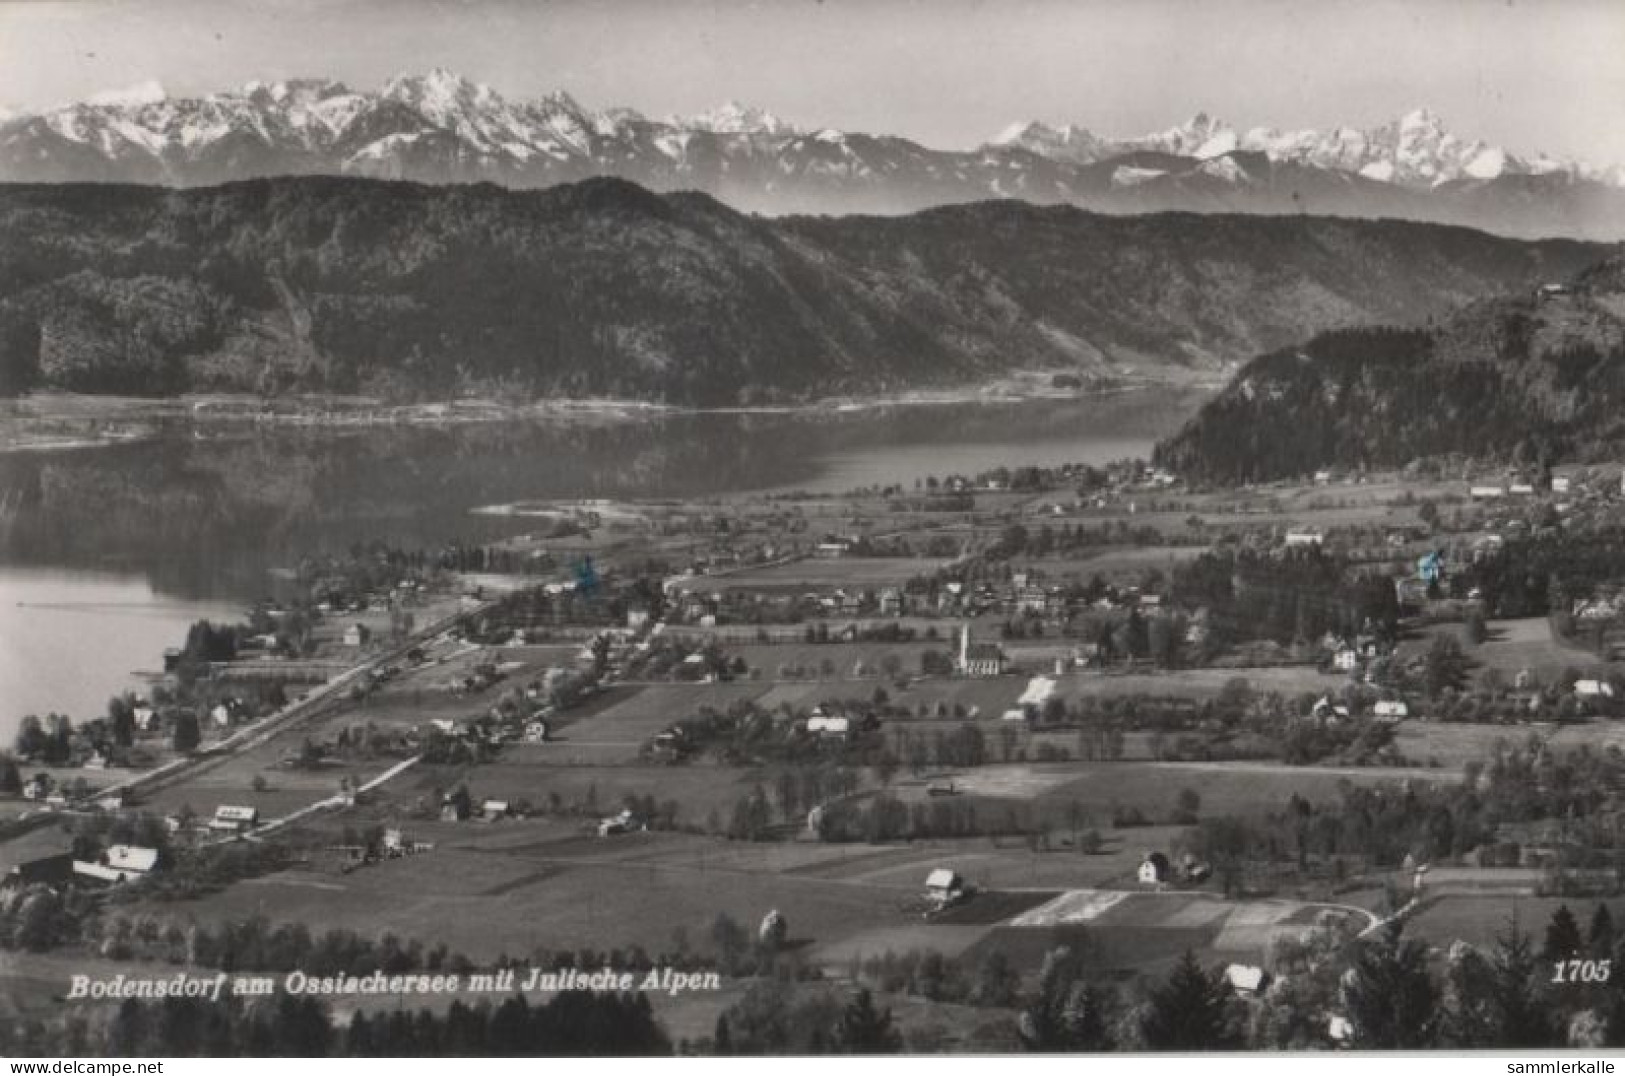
(774, 1019)
(1292, 596)
(572, 1023)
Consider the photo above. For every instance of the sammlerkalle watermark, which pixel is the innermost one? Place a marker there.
(663, 980)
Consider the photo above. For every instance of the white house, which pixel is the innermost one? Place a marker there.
(121, 863)
(820, 724)
(1154, 869)
(624, 822)
(1304, 536)
(1594, 689)
(234, 819)
(1391, 710)
(1325, 709)
(357, 635)
(944, 887)
(1245, 979)
(1038, 692)
(1486, 493)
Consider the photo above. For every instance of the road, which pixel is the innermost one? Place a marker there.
(300, 709)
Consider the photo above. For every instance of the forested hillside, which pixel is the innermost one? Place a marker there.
(603, 288)
(1528, 378)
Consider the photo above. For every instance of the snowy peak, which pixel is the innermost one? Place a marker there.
(733, 118)
(1070, 143)
(149, 92)
(440, 127)
(1416, 149)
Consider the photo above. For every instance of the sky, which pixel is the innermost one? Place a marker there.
(1531, 75)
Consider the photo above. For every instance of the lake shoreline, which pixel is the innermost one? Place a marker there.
(46, 422)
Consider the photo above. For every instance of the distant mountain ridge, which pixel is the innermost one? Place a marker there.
(602, 288)
(1415, 150)
(1539, 375)
(443, 128)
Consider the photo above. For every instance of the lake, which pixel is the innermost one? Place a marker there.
(107, 554)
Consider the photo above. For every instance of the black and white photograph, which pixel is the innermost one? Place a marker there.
(706, 528)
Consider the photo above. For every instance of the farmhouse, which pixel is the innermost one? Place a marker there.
(120, 863)
(1391, 710)
(1327, 710)
(1486, 493)
(944, 887)
(821, 724)
(357, 635)
(1245, 979)
(1038, 692)
(625, 822)
(1154, 869)
(1299, 537)
(234, 819)
(1594, 689)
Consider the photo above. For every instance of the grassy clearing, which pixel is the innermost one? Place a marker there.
(834, 573)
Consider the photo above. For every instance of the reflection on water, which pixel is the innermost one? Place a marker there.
(203, 518)
(71, 639)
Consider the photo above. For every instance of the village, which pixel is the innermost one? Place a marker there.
(962, 722)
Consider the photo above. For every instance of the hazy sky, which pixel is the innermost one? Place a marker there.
(1532, 75)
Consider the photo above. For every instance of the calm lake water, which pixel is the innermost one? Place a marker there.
(107, 554)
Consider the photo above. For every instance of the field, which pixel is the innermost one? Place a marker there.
(1480, 920)
(1513, 645)
(1240, 788)
(614, 729)
(834, 573)
(1135, 931)
(1454, 745)
(841, 657)
(546, 886)
(1201, 683)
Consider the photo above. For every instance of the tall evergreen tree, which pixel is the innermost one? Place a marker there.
(864, 1029)
(1066, 1013)
(1191, 1011)
(1391, 998)
(1601, 935)
(1522, 1020)
(721, 1040)
(1563, 940)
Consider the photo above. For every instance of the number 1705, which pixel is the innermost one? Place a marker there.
(1581, 971)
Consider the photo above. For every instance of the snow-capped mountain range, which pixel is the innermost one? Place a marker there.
(441, 127)
(1416, 150)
